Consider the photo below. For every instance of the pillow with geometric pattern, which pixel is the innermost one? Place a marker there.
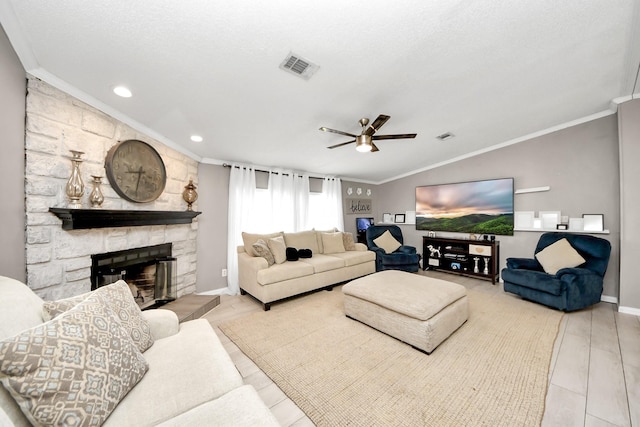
(120, 299)
(74, 369)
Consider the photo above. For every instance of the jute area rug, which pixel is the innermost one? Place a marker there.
(493, 371)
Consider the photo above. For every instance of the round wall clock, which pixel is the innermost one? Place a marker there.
(135, 171)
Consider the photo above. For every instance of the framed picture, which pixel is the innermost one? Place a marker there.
(550, 219)
(399, 219)
(562, 227)
(593, 222)
(576, 224)
(387, 218)
(523, 219)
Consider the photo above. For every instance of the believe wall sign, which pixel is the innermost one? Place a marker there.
(358, 206)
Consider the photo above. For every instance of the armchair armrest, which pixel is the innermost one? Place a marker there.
(162, 323)
(409, 250)
(524, 264)
(584, 272)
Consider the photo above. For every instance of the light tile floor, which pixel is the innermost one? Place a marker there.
(594, 377)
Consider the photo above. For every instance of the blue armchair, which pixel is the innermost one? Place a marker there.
(403, 258)
(569, 288)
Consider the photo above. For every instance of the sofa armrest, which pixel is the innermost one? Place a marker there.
(163, 323)
(361, 247)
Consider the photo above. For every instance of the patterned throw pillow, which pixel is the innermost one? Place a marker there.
(119, 298)
(262, 250)
(348, 242)
(72, 370)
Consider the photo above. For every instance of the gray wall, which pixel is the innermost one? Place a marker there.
(213, 202)
(13, 87)
(580, 164)
(629, 127)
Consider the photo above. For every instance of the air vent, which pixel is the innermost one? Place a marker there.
(295, 64)
(445, 136)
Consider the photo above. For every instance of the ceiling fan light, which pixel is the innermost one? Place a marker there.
(363, 143)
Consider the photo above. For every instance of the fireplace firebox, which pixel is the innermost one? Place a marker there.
(150, 272)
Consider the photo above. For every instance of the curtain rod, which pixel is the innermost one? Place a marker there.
(227, 165)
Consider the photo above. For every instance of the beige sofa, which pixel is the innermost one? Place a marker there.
(330, 264)
(190, 379)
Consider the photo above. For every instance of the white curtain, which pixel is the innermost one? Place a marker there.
(242, 188)
(332, 194)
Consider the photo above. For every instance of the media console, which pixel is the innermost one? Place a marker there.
(477, 258)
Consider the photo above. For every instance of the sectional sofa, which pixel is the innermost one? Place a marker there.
(265, 273)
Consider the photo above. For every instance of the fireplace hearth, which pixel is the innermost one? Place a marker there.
(150, 272)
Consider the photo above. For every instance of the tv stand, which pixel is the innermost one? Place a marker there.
(475, 258)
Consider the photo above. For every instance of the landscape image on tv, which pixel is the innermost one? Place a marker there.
(478, 207)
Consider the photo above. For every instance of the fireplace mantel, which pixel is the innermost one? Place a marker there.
(78, 219)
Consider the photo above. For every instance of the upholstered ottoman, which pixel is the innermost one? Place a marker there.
(418, 310)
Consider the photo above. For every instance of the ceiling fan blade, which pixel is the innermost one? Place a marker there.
(376, 125)
(399, 136)
(341, 144)
(324, 129)
(374, 148)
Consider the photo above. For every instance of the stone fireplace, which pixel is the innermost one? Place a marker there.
(150, 272)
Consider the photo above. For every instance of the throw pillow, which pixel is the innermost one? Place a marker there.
(248, 239)
(119, 298)
(260, 247)
(332, 243)
(348, 242)
(292, 254)
(74, 369)
(319, 238)
(278, 249)
(387, 242)
(559, 255)
(305, 253)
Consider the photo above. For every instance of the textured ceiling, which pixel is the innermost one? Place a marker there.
(489, 71)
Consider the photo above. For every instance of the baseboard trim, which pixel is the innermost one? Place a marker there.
(607, 298)
(629, 310)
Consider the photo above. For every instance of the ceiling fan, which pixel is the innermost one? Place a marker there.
(364, 141)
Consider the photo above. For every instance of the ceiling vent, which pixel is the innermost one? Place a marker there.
(295, 64)
(445, 136)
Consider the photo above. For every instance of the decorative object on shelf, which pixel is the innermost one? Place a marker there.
(431, 234)
(576, 224)
(190, 195)
(524, 219)
(136, 171)
(486, 265)
(562, 227)
(476, 269)
(387, 218)
(96, 197)
(550, 219)
(75, 186)
(399, 218)
(593, 222)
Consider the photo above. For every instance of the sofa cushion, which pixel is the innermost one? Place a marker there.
(323, 262)
(387, 242)
(249, 239)
(261, 249)
(284, 271)
(348, 242)
(332, 243)
(73, 369)
(120, 300)
(302, 240)
(185, 371)
(20, 308)
(355, 257)
(319, 238)
(559, 255)
(278, 249)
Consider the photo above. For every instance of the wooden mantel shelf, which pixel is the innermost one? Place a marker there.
(78, 219)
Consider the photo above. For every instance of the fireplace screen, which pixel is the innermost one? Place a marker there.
(150, 272)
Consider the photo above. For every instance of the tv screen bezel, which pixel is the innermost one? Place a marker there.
(512, 199)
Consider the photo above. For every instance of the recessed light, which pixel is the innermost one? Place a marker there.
(445, 136)
(196, 138)
(122, 91)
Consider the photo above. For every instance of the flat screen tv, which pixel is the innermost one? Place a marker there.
(363, 223)
(477, 207)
